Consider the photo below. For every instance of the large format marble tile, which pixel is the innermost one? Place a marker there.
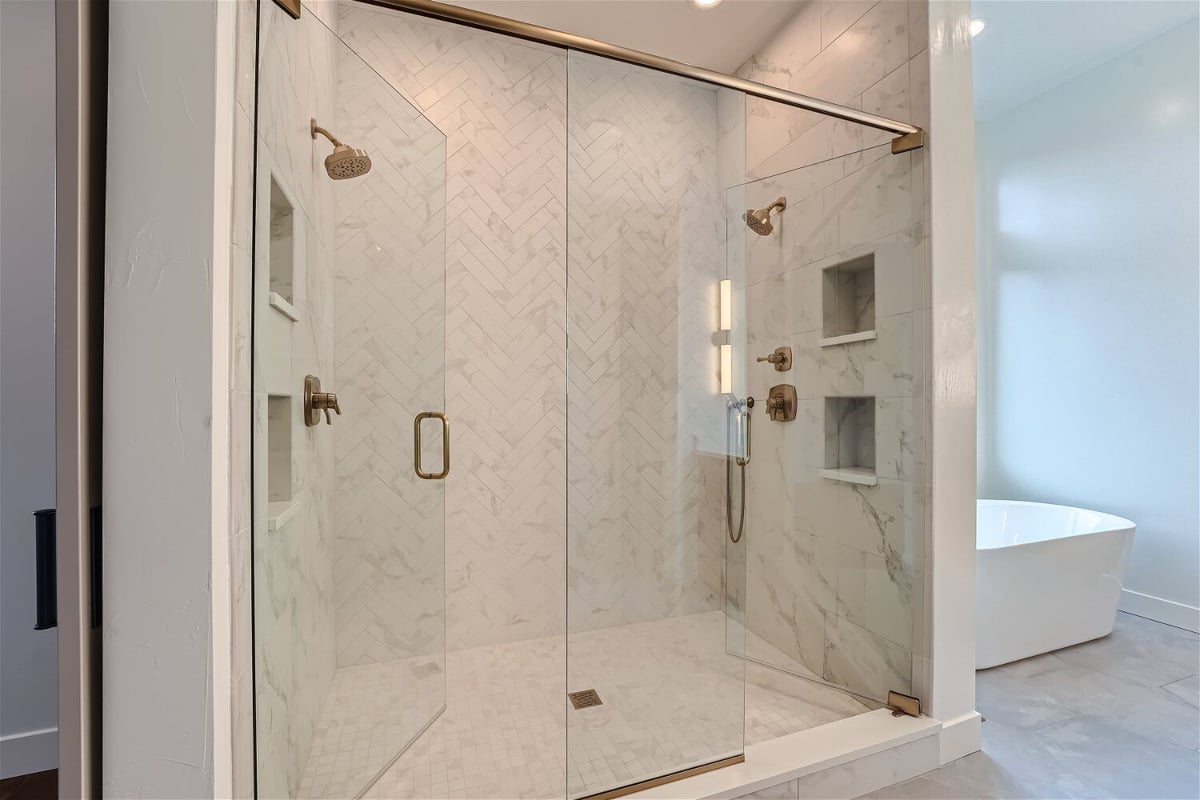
(1140, 650)
(1073, 692)
(1187, 688)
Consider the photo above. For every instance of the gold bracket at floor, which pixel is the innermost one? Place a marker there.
(903, 705)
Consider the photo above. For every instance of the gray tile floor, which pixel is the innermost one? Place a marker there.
(1113, 718)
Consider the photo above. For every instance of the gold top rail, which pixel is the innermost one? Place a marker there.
(909, 137)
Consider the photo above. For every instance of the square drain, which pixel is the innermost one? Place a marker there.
(585, 699)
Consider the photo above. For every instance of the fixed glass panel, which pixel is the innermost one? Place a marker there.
(652, 613)
(836, 497)
(349, 543)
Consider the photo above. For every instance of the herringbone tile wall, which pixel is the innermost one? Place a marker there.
(389, 289)
(637, 384)
(646, 251)
(502, 106)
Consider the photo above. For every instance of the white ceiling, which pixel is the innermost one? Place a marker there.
(719, 38)
(1031, 46)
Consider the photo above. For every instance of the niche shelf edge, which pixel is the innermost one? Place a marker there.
(863, 477)
(280, 512)
(280, 304)
(861, 336)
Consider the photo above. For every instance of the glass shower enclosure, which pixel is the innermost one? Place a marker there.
(519, 530)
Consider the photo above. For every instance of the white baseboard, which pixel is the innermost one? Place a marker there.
(961, 736)
(1160, 610)
(28, 751)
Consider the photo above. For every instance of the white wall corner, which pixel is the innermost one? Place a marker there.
(952, 227)
(223, 183)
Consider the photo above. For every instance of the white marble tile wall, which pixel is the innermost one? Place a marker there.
(645, 253)
(837, 571)
(293, 563)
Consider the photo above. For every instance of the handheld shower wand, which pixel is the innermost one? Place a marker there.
(743, 412)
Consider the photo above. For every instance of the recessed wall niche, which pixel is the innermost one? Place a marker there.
(848, 301)
(279, 458)
(850, 440)
(281, 253)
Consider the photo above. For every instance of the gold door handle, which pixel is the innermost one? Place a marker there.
(431, 476)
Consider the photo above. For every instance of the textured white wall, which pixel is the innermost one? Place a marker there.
(1088, 272)
(28, 664)
(164, 461)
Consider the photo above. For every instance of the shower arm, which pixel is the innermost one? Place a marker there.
(314, 129)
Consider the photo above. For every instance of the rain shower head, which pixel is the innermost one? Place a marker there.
(760, 221)
(345, 161)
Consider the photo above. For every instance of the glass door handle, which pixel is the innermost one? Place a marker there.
(431, 476)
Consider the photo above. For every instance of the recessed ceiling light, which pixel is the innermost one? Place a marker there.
(706, 3)
(977, 26)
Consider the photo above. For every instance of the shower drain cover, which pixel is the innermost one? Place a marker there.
(585, 699)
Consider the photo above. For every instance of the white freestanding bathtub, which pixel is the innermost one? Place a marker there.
(1048, 577)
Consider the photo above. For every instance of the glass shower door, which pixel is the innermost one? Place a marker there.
(349, 531)
(836, 497)
(654, 673)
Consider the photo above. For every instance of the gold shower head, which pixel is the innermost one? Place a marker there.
(345, 161)
(760, 221)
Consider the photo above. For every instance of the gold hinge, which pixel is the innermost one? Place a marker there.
(902, 705)
(909, 141)
(292, 7)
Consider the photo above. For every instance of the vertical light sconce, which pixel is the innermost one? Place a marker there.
(726, 315)
(721, 337)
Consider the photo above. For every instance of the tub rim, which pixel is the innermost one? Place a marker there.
(1118, 524)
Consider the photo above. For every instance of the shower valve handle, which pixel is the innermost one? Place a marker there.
(316, 401)
(326, 401)
(781, 358)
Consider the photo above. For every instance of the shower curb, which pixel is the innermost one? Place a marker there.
(842, 759)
